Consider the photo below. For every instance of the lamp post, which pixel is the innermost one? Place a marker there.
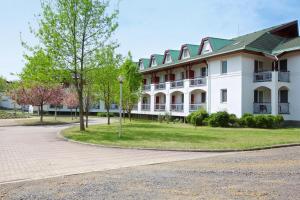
(120, 79)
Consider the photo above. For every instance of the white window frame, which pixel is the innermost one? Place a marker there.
(153, 62)
(185, 50)
(168, 58)
(221, 96)
(141, 65)
(222, 67)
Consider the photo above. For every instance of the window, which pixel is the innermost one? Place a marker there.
(203, 97)
(223, 95)
(283, 66)
(168, 58)
(185, 53)
(141, 65)
(206, 48)
(153, 62)
(258, 66)
(182, 98)
(203, 71)
(224, 67)
(182, 75)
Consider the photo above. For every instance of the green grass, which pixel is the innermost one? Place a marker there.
(148, 134)
(9, 114)
(48, 120)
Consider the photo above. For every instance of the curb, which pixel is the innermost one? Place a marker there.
(61, 136)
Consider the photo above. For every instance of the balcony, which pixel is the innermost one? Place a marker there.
(195, 107)
(177, 84)
(284, 76)
(145, 107)
(160, 86)
(283, 108)
(160, 107)
(262, 76)
(201, 81)
(262, 108)
(146, 87)
(176, 107)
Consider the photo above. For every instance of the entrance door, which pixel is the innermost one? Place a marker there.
(283, 96)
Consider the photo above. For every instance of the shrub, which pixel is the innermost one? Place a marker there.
(278, 121)
(234, 121)
(197, 118)
(219, 119)
(248, 120)
(160, 118)
(167, 117)
(104, 114)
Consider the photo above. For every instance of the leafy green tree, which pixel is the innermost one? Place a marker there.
(3, 86)
(72, 31)
(105, 76)
(131, 85)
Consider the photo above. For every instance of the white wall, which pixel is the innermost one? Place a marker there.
(230, 81)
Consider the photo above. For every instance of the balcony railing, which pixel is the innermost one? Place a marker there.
(262, 108)
(177, 84)
(160, 86)
(283, 108)
(195, 107)
(160, 107)
(284, 76)
(135, 107)
(147, 87)
(146, 107)
(198, 81)
(262, 76)
(176, 107)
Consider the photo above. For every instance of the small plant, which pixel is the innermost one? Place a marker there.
(167, 117)
(104, 114)
(197, 118)
(160, 118)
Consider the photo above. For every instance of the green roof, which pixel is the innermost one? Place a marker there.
(146, 62)
(193, 49)
(159, 58)
(288, 45)
(264, 41)
(218, 43)
(174, 55)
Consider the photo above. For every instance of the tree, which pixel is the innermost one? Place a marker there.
(105, 76)
(72, 31)
(57, 99)
(131, 84)
(71, 99)
(3, 86)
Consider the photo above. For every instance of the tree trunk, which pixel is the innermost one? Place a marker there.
(129, 115)
(71, 114)
(55, 112)
(81, 117)
(108, 117)
(87, 108)
(42, 114)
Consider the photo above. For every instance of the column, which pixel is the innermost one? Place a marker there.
(274, 93)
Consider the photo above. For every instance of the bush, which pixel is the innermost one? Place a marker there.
(197, 118)
(167, 117)
(160, 118)
(219, 119)
(248, 120)
(234, 121)
(104, 114)
(261, 121)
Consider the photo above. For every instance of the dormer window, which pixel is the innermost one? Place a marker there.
(206, 48)
(185, 53)
(168, 58)
(153, 62)
(141, 65)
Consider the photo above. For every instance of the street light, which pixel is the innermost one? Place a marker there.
(120, 79)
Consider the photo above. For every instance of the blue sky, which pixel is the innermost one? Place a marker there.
(147, 27)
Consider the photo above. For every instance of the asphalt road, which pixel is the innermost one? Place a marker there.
(267, 174)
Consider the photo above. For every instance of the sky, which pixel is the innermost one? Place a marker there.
(148, 27)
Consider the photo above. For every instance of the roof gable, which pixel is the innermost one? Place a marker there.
(158, 58)
(192, 48)
(174, 55)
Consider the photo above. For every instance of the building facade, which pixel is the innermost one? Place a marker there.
(256, 73)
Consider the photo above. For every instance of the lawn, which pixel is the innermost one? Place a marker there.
(149, 134)
(47, 120)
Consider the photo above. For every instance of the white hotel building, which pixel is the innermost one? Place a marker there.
(256, 73)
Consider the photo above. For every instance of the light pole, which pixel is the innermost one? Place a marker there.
(120, 78)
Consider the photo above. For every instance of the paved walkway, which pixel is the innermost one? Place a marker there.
(28, 153)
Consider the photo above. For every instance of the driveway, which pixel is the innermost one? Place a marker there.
(36, 152)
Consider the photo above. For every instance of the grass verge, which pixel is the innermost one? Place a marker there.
(149, 134)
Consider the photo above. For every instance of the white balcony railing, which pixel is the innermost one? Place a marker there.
(195, 107)
(198, 81)
(160, 107)
(283, 108)
(176, 107)
(177, 84)
(262, 76)
(284, 76)
(160, 86)
(145, 107)
(147, 87)
(262, 108)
